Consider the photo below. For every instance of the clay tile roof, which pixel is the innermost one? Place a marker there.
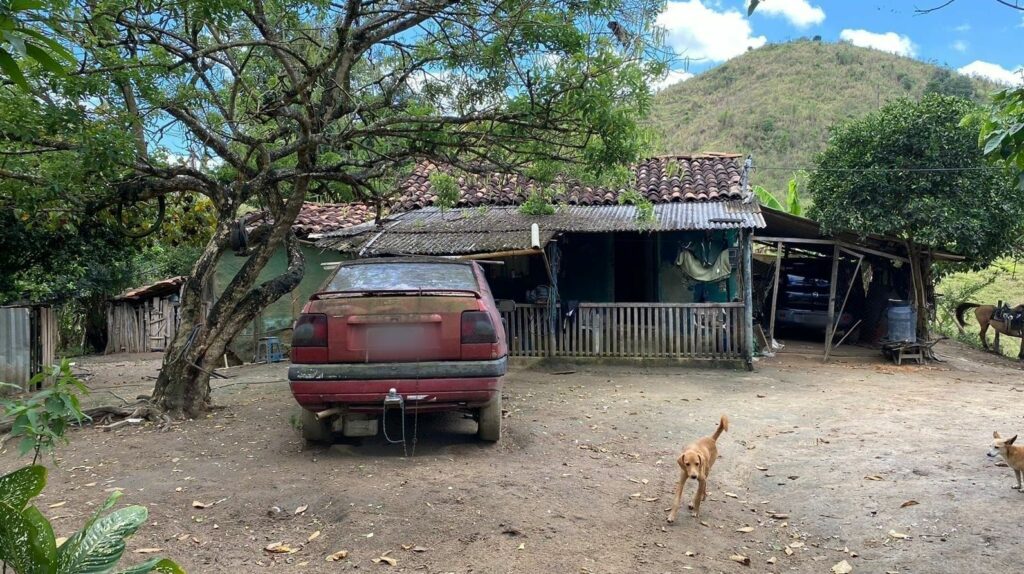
(316, 218)
(667, 179)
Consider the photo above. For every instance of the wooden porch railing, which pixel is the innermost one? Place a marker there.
(630, 330)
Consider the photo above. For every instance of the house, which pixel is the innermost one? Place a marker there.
(144, 319)
(596, 278)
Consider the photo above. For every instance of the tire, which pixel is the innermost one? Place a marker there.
(489, 419)
(314, 429)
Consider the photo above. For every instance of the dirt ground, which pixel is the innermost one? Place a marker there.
(583, 477)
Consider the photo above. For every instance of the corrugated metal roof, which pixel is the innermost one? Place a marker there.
(430, 231)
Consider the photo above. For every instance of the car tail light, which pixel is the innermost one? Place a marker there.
(310, 331)
(477, 328)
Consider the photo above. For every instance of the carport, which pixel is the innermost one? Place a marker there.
(788, 236)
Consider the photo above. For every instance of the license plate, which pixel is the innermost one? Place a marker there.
(394, 338)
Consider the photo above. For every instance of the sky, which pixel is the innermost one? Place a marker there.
(975, 37)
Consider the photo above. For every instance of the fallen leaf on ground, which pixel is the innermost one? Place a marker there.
(909, 503)
(771, 560)
(778, 515)
(745, 529)
(301, 509)
(873, 477)
(636, 495)
(842, 568)
(731, 495)
(197, 504)
(651, 499)
(148, 550)
(788, 551)
(280, 548)
(58, 504)
(387, 560)
(313, 536)
(761, 467)
(797, 544)
(370, 535)
(339, 555)
(688, 553)
(522, 546)
(741, 559)
(898, 535)
(407, 547)
(419, 549)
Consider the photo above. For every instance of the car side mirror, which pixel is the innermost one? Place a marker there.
(506, 305)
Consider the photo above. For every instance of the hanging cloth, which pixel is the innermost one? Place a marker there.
(692, 266)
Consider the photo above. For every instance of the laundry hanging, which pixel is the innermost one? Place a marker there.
(692, 266)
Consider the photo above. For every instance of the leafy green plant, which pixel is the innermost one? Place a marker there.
(19, 38)
(644, 208)
(767, 199)
(446, 188)
(27, 543)
(42, 419)
(538, 203)
(793, 205)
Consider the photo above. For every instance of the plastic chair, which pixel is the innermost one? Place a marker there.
(269, 350)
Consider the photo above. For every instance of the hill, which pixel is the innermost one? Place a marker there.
(778, 102)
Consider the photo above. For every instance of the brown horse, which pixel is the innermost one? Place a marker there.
(984, 315)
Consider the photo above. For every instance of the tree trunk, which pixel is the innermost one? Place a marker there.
(920, 296)
(183, 387)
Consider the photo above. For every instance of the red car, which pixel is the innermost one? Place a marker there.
(411, 334)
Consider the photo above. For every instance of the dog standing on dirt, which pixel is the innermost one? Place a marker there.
(695, 463)
(1013, 455)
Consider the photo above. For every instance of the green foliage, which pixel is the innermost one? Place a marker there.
(42, 419)
(946, 82)
(28, 546)
(875, 177)
(446, 188)
(767, 199)
(538, 203)
(1002, 132)
(27, 33)
(644, 207)
(800, 85)
(793, 205)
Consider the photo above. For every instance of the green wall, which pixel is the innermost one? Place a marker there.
(277, 318)
(676, 286)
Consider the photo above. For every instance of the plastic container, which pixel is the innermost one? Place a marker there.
(902, 319)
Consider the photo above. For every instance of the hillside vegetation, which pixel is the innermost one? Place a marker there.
(778, 102)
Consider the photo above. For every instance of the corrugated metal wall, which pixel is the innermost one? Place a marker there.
(15, 346)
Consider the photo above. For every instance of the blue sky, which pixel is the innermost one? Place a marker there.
(977, 37)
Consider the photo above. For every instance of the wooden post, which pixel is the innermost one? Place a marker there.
(748, 297)
(842, 308)
(775, 292)
(832, 299)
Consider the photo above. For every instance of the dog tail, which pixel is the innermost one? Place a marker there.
(723, 425)
(961, 309)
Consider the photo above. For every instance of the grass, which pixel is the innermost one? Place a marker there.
(1003, 280)
(779, 102)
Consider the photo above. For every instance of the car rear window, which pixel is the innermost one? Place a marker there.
(404, 277)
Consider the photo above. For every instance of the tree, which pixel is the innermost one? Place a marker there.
(949, 83)
(274, 100)
(1002, 132)
(26, 30)
(912, 170)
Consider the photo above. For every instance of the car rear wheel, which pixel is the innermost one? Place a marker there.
(489, 419)
(314, 429)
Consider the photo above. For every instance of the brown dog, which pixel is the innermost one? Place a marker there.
(696, 462)
(1013, 455)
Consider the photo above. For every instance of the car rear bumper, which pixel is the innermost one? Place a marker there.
(382, 371)
(423, 386)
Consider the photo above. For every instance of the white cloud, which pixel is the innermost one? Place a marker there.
(960, 46)
(672, 77)
(887, 42)
(994, 72)
(699, 32)
(965, 27)
(800, 13)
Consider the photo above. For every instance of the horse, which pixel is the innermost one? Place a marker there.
(984, 314)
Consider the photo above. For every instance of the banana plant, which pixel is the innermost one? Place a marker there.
(28, 546)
